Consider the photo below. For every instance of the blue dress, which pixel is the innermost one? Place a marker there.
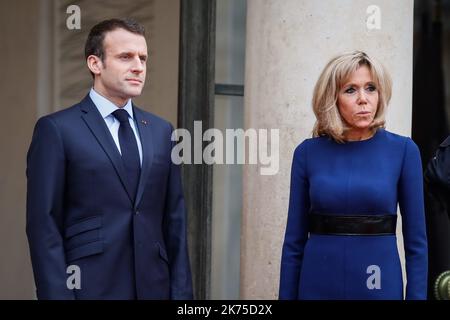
(368, 177)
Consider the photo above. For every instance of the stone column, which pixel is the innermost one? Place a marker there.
(288, 44)
(18, 51)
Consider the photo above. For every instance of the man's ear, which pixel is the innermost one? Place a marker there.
(94, 64)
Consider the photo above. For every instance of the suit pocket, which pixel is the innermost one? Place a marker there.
(83, 238)
(86, 250)
(84, 225)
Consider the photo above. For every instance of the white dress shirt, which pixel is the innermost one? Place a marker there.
(106, 108)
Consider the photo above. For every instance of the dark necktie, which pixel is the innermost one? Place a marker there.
(129, 150)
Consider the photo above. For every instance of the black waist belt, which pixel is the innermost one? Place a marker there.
(352, 224)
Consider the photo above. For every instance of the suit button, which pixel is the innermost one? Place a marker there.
(136, 212)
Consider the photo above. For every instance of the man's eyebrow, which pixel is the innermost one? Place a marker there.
(131, 53)
(123, 53)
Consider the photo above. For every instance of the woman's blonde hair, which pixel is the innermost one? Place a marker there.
(328, 119)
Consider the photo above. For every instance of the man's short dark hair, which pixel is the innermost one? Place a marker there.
(94, 42)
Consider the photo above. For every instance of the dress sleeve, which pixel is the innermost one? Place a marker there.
(296, 227)
(413, 221)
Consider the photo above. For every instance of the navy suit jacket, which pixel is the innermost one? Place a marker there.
(80, 212)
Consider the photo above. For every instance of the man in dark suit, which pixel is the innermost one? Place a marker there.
(104, 197)
(437, 204)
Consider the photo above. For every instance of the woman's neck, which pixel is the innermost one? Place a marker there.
(359, 135)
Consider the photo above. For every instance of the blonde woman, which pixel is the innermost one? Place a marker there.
(346, 182)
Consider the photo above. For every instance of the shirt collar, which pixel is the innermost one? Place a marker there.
(106, 107)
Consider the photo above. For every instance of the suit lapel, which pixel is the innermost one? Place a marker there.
(144, 127)
(98, 127)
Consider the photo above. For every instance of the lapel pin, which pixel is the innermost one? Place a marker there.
(144, 122)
